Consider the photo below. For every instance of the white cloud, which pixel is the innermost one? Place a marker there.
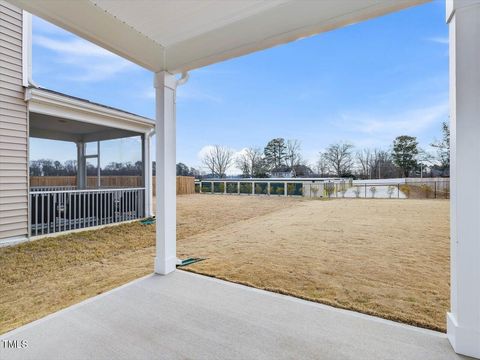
(381, 129)
(412, 121)
(204, 151)
(439, 40)
(89, 62)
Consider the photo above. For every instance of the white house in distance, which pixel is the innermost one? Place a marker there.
(28, 111)
(170, 38)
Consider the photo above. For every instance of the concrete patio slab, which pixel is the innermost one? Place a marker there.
(188, 316)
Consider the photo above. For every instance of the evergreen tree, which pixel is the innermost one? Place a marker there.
(404, 154)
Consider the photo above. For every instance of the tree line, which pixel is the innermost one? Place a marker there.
(48, 167)
(281, 157)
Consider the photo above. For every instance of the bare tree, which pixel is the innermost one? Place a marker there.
(218, 160)
(364, 160)
(293, 156)
(322, 165)
(381, 165)
(339, 158)
(443, 147)
(251, 162)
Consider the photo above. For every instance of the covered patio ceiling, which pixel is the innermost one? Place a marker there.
(56, 116)
(177, 36)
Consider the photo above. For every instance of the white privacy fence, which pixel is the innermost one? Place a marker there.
(52, 211)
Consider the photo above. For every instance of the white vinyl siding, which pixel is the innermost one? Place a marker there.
(13, 127)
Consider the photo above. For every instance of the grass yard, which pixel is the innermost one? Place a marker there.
(384, 257)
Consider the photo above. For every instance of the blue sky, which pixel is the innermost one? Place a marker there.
(363, 84)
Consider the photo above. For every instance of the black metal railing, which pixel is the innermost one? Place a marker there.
(53, 211)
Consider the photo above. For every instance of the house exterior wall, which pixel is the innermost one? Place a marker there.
(13, 128)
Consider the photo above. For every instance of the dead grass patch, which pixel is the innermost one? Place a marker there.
(44, 276)
(383, 257)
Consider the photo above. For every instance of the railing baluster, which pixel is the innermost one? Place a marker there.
(75, 211)
(36, 214)
(96, 207)
(69, 208)
(43, 214)
(54, 215)
(130, 202)
(84, 210)
(48, 214)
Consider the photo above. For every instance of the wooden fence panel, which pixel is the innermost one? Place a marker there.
(185, 184)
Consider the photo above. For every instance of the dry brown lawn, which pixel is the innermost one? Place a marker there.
(384, 257)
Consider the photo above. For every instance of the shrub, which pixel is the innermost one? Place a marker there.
(291, 189)
(405, 189)
(390, 191)
(231, 188)
(427, 189)
(357, 191)
(245, 188)
(206, 187)
(218, 187)
(329, 188)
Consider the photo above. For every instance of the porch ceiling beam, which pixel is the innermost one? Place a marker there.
(53, 135)
(107, 135)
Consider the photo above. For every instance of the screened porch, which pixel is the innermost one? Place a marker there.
(86, 199)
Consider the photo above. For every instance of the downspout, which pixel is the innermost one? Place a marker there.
(183, 79)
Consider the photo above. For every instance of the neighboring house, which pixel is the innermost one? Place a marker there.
(282, 171)
(285, 171)
(30, 111)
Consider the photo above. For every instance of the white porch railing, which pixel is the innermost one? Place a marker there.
(53, 211)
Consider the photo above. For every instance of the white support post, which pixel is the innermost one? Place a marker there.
(238, 187)
(463, 320)
(81, 166)
(225, 187)
(99, 174)
(166, 257)
(147, 174)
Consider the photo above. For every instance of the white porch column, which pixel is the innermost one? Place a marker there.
(81, 166)
(166, 257)
(147, 174)
(463, 320)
